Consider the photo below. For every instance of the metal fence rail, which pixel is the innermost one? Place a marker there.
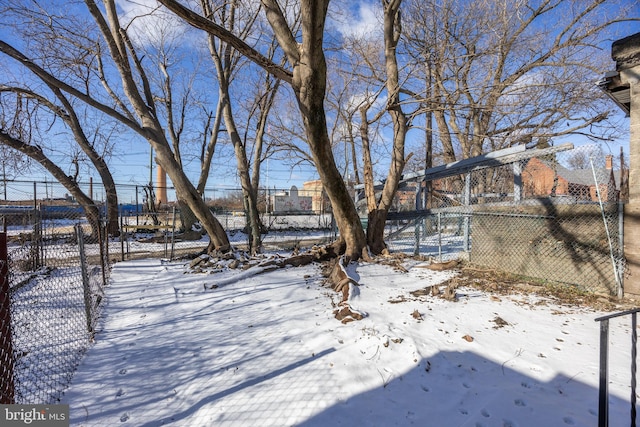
(603, 400)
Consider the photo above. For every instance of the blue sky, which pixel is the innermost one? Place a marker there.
(131, 161)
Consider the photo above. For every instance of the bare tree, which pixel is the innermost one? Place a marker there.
(136, 108)
(259, 112)
(17, 132)
(173, 89)
(308, 81)
(344, 100)
(286, 130)
(379, 209)
(92, 140)
(506, 73)
(378, 73)
(257, 128)
(14, 164)
(225, 59)
(579, 160)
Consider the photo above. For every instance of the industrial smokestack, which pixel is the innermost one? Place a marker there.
(161, 186)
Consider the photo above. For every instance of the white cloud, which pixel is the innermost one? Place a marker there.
(149, 23)
(361, 21)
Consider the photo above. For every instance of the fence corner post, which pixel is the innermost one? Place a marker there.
(7, 385)
(603, 398)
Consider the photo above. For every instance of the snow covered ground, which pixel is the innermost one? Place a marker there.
(266, 351)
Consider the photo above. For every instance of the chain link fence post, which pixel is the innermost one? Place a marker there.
(619, 290)
(7, 391)
(85, 277)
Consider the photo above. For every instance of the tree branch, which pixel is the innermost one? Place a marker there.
(222, 33)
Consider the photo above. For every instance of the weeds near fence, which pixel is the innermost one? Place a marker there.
(531, 213)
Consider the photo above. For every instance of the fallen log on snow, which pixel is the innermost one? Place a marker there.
(342, 282)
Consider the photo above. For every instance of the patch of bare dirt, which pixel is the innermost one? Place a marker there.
(495, 282)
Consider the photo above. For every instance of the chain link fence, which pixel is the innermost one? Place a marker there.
(290, 218)
(58, 265)
(553, 215)
(7, 386)
(56, 274)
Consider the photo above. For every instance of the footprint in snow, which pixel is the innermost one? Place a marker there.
(519, 402)
(569, 421)
(122, 371)
(485, 413)
(124, 418)
(120, 393)
(508, 423)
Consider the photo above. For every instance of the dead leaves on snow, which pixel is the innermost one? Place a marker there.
(445, 290)
(234, 260)
(500, 322)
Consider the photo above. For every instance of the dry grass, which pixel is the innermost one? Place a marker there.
(499, 283)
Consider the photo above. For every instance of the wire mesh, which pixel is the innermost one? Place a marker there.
(51, 323)
(555, 218)
(7, 387)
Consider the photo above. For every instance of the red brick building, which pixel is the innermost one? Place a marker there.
(544, 177)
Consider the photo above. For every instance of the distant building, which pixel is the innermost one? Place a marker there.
(291, 202)
(319, 200)
(544, 177)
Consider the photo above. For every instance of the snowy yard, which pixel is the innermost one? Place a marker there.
(267, 351)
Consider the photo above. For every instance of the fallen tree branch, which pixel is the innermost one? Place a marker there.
(341, 281)
(345, 284)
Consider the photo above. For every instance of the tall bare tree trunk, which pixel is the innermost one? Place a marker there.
(308, 81)
(378, 215)
(223, 59)
(113, 228)
(248, 190)
(309, 84)
(143, 103)
(188, 194)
